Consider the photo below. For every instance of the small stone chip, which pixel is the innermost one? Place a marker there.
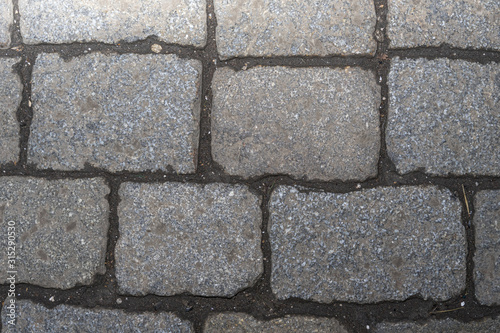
(182, 237)
(156, 48)
(243, 323)
(32, 317)
(381, 244)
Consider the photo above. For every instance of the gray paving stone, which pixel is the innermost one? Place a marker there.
(445, 325)
(120, 112)
(10, 98)
(369, 246)
(240, 322)
(62, 21)
(60, 228)
(463, 24)
(32, 317)
(487, 255)
(444, 117)
(6, 19)
(286, 27)
(199, 239)
(318, 123)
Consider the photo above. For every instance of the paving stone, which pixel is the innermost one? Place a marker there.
(240, 322)
(62, 21)
(286, 27)
(445, 325)
(6, 19)
(199, 239)
(32, 317)
(120, 112)
(318, 123)
(463, 24)
(10, 98)
(487, 255)
(444, 117)
(60, 228)
(368, 246)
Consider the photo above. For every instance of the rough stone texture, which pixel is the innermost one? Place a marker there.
(32, 317)
(445, 325)
(444, 117)
(487, 255)
(10, 97)
(63, 21)
(287, 27)
(61, 229)
(6, 19)
(318, 123)
(367, 246)
(120, 112)
(240, 322)
(176, 238)
(464, 23)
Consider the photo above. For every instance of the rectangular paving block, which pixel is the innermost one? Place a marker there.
(177, 238)
(463, 24)
(60, 230)
(487, 255)
(485, 325)
(10, 98)
(444, 117)
(243, 323)
(68, 21)
(6, 19)
(119, 112)
(33, 317)
(381, 244)
(288, 28)
(318, 123)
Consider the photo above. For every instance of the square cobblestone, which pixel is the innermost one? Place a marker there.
(32, 317)
(243, 323)
(287, 27)
(60, 229)
(6, 19)
(382, 244)
(121, 112)
(318, 123)
(177, 238)
(67, 21)
(463, 24)
(10, 98)
(487, 255)
(486, 325)
(444, 117)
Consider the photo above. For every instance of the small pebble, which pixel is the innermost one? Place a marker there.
(156, 48)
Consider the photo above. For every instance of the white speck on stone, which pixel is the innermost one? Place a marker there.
(52, 299)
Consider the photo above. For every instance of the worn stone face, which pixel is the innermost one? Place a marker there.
(10, 98)
(62, 21)
(6, 19)
(487, 255)
(32, 317)
(369, 246)
(444, 117)
(240, 322)
(60, 229)
(317, 123)
(199, 239)
(445, 325)
(464, 23)
(120, 112)
(286, 27)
